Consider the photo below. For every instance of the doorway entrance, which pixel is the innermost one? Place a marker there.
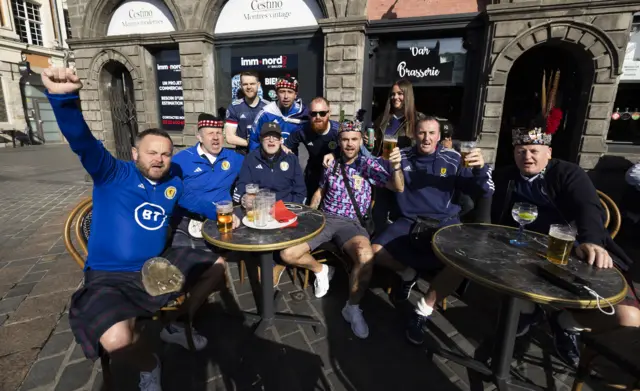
(118, 92)
(522, 101)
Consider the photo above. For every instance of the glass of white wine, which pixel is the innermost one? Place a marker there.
(523, 213)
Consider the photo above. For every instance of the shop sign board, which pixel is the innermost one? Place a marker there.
(258, 15)
(431, 61)
(170, 95)
(141, 17)
(269, 68)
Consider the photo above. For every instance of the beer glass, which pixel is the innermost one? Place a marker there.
(523, 213)
(561, 239)
(261, 211)
(159, 277)
(225, 216)
(249, 207)
(465, 148)
(388, 144)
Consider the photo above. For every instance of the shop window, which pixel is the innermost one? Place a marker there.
(67, 23)
(28, 23)
(4, 117)
(170, 97)
(624, 126)
(435, 67)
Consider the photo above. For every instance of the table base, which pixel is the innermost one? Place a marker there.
(500, 371)
(267, 317)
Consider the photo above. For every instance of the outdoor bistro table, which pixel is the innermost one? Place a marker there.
(264, 242)
(482, 253)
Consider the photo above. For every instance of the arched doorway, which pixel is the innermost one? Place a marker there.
(523, 96)
(117, 95)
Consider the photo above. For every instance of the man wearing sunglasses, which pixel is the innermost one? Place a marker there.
(288, 112)
(320, 137)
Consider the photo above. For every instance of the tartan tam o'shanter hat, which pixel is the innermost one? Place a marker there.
(209, 121)
(357, 125)
(287, 81)
(542, 128)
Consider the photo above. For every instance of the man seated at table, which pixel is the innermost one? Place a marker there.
(564, 194)
(320, 137)
(288, 111)
(342, 225)
(432, 174)
(132, 203)
(208, 173)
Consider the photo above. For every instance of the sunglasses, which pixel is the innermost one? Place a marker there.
(314, 114)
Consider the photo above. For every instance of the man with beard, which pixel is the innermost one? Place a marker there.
(132, 203)
(242, 112)
(288, 112)
(343, 224)
(208, 173)
(320, 137)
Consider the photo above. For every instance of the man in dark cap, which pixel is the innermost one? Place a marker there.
(208, 172)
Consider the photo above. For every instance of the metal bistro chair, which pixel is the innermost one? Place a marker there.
(78, 225)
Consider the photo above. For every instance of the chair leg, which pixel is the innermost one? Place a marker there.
(389, 290)
(189, 330)
(586, 357)
(242, 271)
(444, 304)
(295, 275)
(306, 279)
(107, 380)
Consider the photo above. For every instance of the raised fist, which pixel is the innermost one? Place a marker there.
(61, 80)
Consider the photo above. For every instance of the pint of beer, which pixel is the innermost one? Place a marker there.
(465, 148)
(388, 145)
(224, 210)
(561, 239)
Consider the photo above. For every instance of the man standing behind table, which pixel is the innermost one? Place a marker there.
(242, 112)
(563, 194)
(132, 203)
(288, 112)
(343, 226)
(208, 173)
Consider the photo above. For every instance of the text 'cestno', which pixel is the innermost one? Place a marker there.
(266, 5)
(140, 14)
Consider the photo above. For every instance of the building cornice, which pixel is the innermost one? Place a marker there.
(529, 9)
(142, 39)
(426, 23)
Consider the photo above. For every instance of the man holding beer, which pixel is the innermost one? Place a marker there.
(349, 177)
(564, 195)
(432, 174)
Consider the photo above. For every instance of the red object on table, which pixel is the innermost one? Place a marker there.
(282, 214)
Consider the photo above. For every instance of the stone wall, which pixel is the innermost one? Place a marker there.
(10, 79)
(392, 9)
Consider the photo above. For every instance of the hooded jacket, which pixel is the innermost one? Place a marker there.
(289, 122)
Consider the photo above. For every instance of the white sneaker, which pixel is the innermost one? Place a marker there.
(353, 315)
(178, 335)
(321, 284)
(151, 381)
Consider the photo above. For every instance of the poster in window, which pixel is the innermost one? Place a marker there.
(429, 61)
(269, 68)
(170, 94)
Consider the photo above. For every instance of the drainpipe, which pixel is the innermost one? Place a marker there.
(57, 14)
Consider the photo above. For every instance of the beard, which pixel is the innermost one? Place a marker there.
(153, 173)
(319, 126)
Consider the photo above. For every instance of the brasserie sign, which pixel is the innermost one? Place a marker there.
(424, 64)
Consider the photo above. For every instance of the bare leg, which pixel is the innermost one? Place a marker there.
(444, 284)
(383, 258)
(299, 256)
(208, 282)
(123, 345)
(360, 251)
(626, 315)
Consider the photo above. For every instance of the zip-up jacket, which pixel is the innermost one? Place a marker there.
(206, 184)
(130, 217)
(281, 174)
(241, 116)
(293, 119)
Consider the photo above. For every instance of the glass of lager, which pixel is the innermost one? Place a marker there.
(249, 200)
(465, 148)
(224, 210)
(561, 239)
(388, 144)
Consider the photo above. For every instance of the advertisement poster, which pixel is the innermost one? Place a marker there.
(170, 94)
(269, 68)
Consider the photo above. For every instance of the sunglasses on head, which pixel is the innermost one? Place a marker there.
(314, 114)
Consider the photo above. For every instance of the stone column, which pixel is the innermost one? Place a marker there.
(344, 63)
(198, 84)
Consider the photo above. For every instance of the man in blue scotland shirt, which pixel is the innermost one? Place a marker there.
(132, 204)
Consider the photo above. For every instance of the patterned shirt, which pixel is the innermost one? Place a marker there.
(362, 173)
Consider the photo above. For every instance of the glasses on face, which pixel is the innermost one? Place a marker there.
(314, 114)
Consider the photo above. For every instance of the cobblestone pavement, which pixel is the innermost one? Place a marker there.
(38, 187)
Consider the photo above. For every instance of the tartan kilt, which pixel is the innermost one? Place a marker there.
(108, 297)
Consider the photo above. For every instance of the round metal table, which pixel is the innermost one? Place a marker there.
(482, 253)
(263, 243)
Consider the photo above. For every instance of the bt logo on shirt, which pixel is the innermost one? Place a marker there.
(150, 216)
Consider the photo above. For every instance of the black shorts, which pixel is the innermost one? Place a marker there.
(338, 230)
(107, 297)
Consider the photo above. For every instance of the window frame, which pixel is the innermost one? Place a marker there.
(67, 23)
(29, 24)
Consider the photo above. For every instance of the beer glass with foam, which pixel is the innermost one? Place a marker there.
(388, 145)
(224, 210)
(561, 239)
(465, 148)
